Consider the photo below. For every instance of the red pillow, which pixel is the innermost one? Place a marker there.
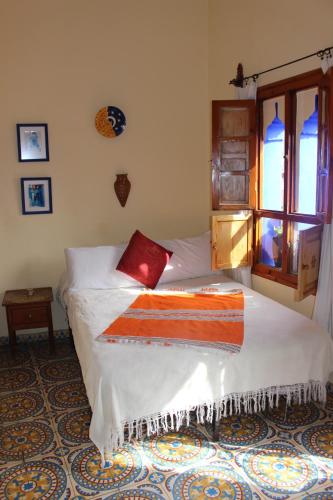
(144, 260)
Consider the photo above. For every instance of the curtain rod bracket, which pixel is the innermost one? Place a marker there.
(239, 80)
(324, 52)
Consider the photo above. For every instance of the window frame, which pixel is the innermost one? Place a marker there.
(288, 89)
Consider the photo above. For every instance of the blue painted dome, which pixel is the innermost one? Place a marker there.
(275, 131)
(310, 127)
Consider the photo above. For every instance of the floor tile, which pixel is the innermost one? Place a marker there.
(26, 439)
(45, 450)
(17, 378)
(21, 405)
(38, 478)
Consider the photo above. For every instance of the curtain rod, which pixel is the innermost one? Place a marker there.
(240, 78)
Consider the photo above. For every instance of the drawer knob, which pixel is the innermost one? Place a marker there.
(29, 315)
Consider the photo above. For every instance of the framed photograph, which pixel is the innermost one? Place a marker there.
(32, 142)
(36, 195)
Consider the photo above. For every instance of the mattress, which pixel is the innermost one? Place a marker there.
(134, 386)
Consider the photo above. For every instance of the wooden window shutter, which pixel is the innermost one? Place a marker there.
(231, 241)
(308, 261)
(234, 154)
(325, 148)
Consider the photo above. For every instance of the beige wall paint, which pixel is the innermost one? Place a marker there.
(64, 60)
(262, 34)
(283, 294)
(61, 61)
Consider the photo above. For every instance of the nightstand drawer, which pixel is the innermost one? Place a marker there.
(25, 316)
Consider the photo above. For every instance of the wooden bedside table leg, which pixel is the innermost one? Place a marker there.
(11, 333)
(50, 328)
(12, 340)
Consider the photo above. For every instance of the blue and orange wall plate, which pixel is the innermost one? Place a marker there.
(110, 121)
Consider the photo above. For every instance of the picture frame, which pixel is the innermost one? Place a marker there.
(36, 195)
(32, 142)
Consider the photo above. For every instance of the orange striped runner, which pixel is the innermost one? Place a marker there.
(194, 319)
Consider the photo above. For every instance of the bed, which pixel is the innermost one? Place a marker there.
(134, 388)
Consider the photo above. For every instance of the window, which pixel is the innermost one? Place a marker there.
(289, 196)
(281, 168)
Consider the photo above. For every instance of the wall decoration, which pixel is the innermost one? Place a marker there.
(110, 121)
(122, 187)
(36, 195)
(32, 142)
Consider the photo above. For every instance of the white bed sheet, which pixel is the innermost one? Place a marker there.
(130, 384)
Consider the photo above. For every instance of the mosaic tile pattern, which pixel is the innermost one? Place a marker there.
(37, 479)
(45, 451)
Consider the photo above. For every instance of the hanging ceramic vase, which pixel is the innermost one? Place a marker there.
(122, 187)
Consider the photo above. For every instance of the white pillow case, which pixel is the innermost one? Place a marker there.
(95, 267)
(191, 258)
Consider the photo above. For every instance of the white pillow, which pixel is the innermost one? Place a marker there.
(191, 258)
(95, 267)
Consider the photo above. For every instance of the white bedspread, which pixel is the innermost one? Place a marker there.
(283, 353)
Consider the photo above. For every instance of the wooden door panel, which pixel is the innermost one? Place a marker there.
(234, 188)
(231, 241)
(233, 154)
(308, 261)
(234, 121)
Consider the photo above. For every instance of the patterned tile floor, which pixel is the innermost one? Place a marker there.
(45, 450)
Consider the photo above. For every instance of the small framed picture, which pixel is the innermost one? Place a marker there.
(32, 142)
(36, 193)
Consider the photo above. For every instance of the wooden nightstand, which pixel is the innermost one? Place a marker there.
(27, 310)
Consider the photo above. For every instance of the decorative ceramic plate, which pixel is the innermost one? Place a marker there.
(110, 121)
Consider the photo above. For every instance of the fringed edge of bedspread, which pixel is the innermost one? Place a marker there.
(231, 404)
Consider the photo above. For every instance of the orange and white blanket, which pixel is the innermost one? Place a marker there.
(182, 319)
